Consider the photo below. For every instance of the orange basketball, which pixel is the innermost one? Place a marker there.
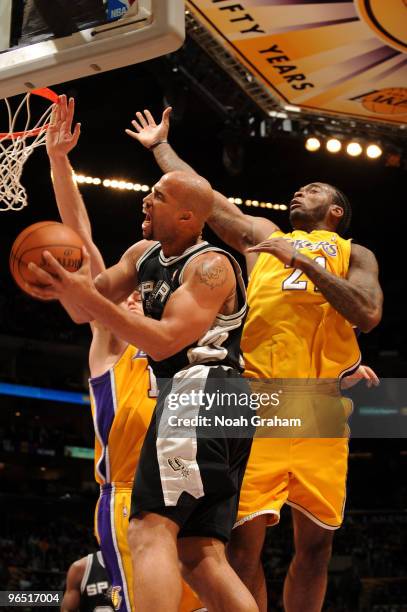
(59, 239)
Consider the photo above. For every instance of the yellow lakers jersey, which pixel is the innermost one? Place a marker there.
(122, 401)
(291, 330)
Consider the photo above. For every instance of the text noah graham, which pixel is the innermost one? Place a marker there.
(222, 421)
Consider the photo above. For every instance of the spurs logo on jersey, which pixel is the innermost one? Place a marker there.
(154, 295)
(95, 587)
(159, 277)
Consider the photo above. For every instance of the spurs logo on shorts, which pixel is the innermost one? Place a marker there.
(177, 464)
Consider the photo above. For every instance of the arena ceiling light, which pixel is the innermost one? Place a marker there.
(312, 144)
(354, 149)
(111, 183)
(333, 145)
(373, 151)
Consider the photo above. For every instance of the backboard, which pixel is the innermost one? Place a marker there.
(145, 29)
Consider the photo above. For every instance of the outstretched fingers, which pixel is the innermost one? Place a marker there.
(150, 118)
(166, 115)
(141, 119)
(76, 133)
(63, 108)
(136, 126)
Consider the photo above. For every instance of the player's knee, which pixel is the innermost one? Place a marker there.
(317, 553)
(244, 550)
(206, 554)
(244, 562)
(139, 538)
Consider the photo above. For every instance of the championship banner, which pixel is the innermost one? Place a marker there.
(347, 57)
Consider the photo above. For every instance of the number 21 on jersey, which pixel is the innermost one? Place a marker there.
(293, 282)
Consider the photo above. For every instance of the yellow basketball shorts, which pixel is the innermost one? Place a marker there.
(309, 474)
(111, 525)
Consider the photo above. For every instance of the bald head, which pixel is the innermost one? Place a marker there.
(191, 192)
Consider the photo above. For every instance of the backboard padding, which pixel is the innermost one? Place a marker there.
(5, 24)
(149, 29)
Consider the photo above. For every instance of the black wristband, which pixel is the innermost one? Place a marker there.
(153, 146)
(293, 258)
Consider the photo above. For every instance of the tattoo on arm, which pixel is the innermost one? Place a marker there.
(359, 298)
(212, 275)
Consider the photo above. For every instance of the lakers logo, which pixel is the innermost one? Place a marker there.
(390, 101)
(116, 597)
(387, 19)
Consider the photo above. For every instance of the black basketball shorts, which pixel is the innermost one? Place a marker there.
(195, 452)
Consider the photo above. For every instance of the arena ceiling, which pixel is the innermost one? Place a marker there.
(346, 59)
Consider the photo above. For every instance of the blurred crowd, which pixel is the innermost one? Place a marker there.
(367, 573)
(39, 560)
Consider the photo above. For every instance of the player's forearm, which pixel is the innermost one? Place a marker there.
(77, 314)
(72, 208)
(168, 160)
(355, 304)
(68, 197)
(147, 334)
(230, 224)
(71, 602)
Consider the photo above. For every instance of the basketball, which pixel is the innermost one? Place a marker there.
(59, 239)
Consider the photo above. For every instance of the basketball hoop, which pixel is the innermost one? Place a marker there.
(15, 148)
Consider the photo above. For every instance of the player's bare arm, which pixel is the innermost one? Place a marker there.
(117, 282)
(72, 595)
(358, 297)
(236, 229)
(61, 140)
(208, 288)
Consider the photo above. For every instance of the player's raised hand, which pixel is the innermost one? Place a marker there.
(147, 131)
(61, 139)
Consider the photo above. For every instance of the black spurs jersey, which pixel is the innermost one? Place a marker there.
(95, 586)
(159, 277)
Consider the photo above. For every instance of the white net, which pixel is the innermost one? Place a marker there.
(15, 149)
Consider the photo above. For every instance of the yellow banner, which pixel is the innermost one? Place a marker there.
(347, 57)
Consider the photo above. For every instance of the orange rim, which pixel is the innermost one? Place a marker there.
(44, 92)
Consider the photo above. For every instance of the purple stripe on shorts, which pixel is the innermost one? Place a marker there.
(103, 394)
(107, 546)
